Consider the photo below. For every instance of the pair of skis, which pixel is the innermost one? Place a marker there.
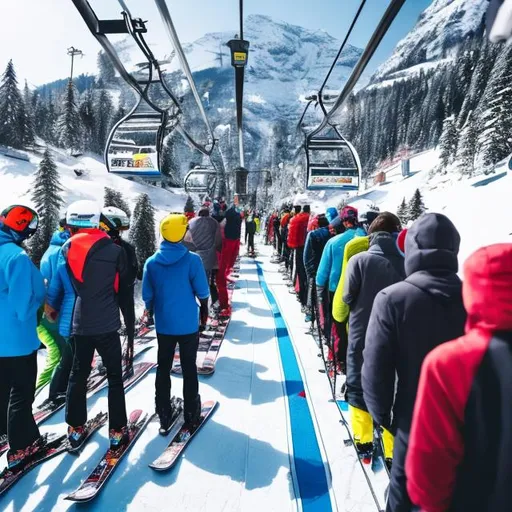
(54, 445)
(210, 341)
(90, 488)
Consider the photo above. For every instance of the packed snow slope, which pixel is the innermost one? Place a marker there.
(479, 207)
(17, 178)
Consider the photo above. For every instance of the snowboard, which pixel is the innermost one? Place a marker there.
(90, 488)
(55, 445)
(180, 441)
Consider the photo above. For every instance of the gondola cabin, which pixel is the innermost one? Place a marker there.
(332, 164)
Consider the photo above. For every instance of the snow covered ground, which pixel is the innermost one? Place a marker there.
(241, 460)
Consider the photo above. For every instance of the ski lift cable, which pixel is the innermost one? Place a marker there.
(385, 23)
(333, 65)
(340, 51)
(169, 25)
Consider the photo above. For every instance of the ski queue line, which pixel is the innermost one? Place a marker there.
(89, 275)
(390, 298)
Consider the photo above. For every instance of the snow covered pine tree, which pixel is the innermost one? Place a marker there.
(416, 206)
(47, 200)
(142, 234)
(115, 198)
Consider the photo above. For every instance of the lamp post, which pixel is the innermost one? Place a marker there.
(72, 52)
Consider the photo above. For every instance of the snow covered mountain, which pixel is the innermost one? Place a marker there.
(440, 29)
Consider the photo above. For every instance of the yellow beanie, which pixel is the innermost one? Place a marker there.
(173, 227)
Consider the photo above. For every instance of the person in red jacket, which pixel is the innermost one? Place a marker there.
(461, 437)
(297, 233)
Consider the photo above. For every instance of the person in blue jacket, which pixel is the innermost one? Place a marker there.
(173, 279)
(329, 273)
(60, 356)
(22, 292)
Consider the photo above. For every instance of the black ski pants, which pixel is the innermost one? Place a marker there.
(212, 278)
(188, 354)
(301, 275)
(250, 245)
(17, 387)
(109, 348)
(60, 379)
(398, 500)
(127, 307)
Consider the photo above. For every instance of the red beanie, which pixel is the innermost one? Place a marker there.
(400, 241)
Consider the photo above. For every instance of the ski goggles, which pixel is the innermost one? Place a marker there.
(21, 219)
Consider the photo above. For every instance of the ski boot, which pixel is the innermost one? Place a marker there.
(76, 438)
(225, 313)
(18, 459)
(118, 437)
(365, 452)
(192, 415)
(168, 417)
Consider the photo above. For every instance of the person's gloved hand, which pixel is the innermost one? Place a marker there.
(50, 313)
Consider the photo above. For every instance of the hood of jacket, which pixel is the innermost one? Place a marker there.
(432, 244)
(7, 238)
(382, 242)
(170, 253)
(59, 238)
(487, 291)
(331, 213)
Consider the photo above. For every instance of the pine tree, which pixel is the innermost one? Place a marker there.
(115, 198)
(12, 110)
(69, 127)
(403, 212)
(88, 120)
(47, 199)
(497, 105)
(190, 207)
(416, 206)
(106, 68)
(29, 135)
(468, 147)
(103, 114)
(142, 233)
(448, 142)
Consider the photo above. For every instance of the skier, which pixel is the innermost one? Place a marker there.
(205, 235)
(114, 221)
(315, 244)
(250, 231)
(99, 274)
(60, 354)
(297, 233)
(329, 271)
(173, 279)
(340, 310)
(459, 456)
(408, 320)
(230, 250)
(368, 273)
(285, 253)
(22, 292)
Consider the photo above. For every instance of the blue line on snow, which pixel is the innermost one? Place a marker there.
(309, 466)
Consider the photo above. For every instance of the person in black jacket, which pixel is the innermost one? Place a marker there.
(408, 320)
(113, 221)
(99, 274)
(367, 274)
(250, 231)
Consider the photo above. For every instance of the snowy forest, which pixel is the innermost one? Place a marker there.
(463, 106)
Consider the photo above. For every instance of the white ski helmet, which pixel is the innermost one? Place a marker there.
(113, 218)
(83, 215)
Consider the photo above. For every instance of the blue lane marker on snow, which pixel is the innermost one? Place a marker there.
(309, 466)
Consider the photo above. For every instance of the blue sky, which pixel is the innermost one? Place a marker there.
(39, 53)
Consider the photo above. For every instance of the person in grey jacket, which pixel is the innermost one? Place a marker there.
(204, 237)
(367, 274)
(408, 320)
